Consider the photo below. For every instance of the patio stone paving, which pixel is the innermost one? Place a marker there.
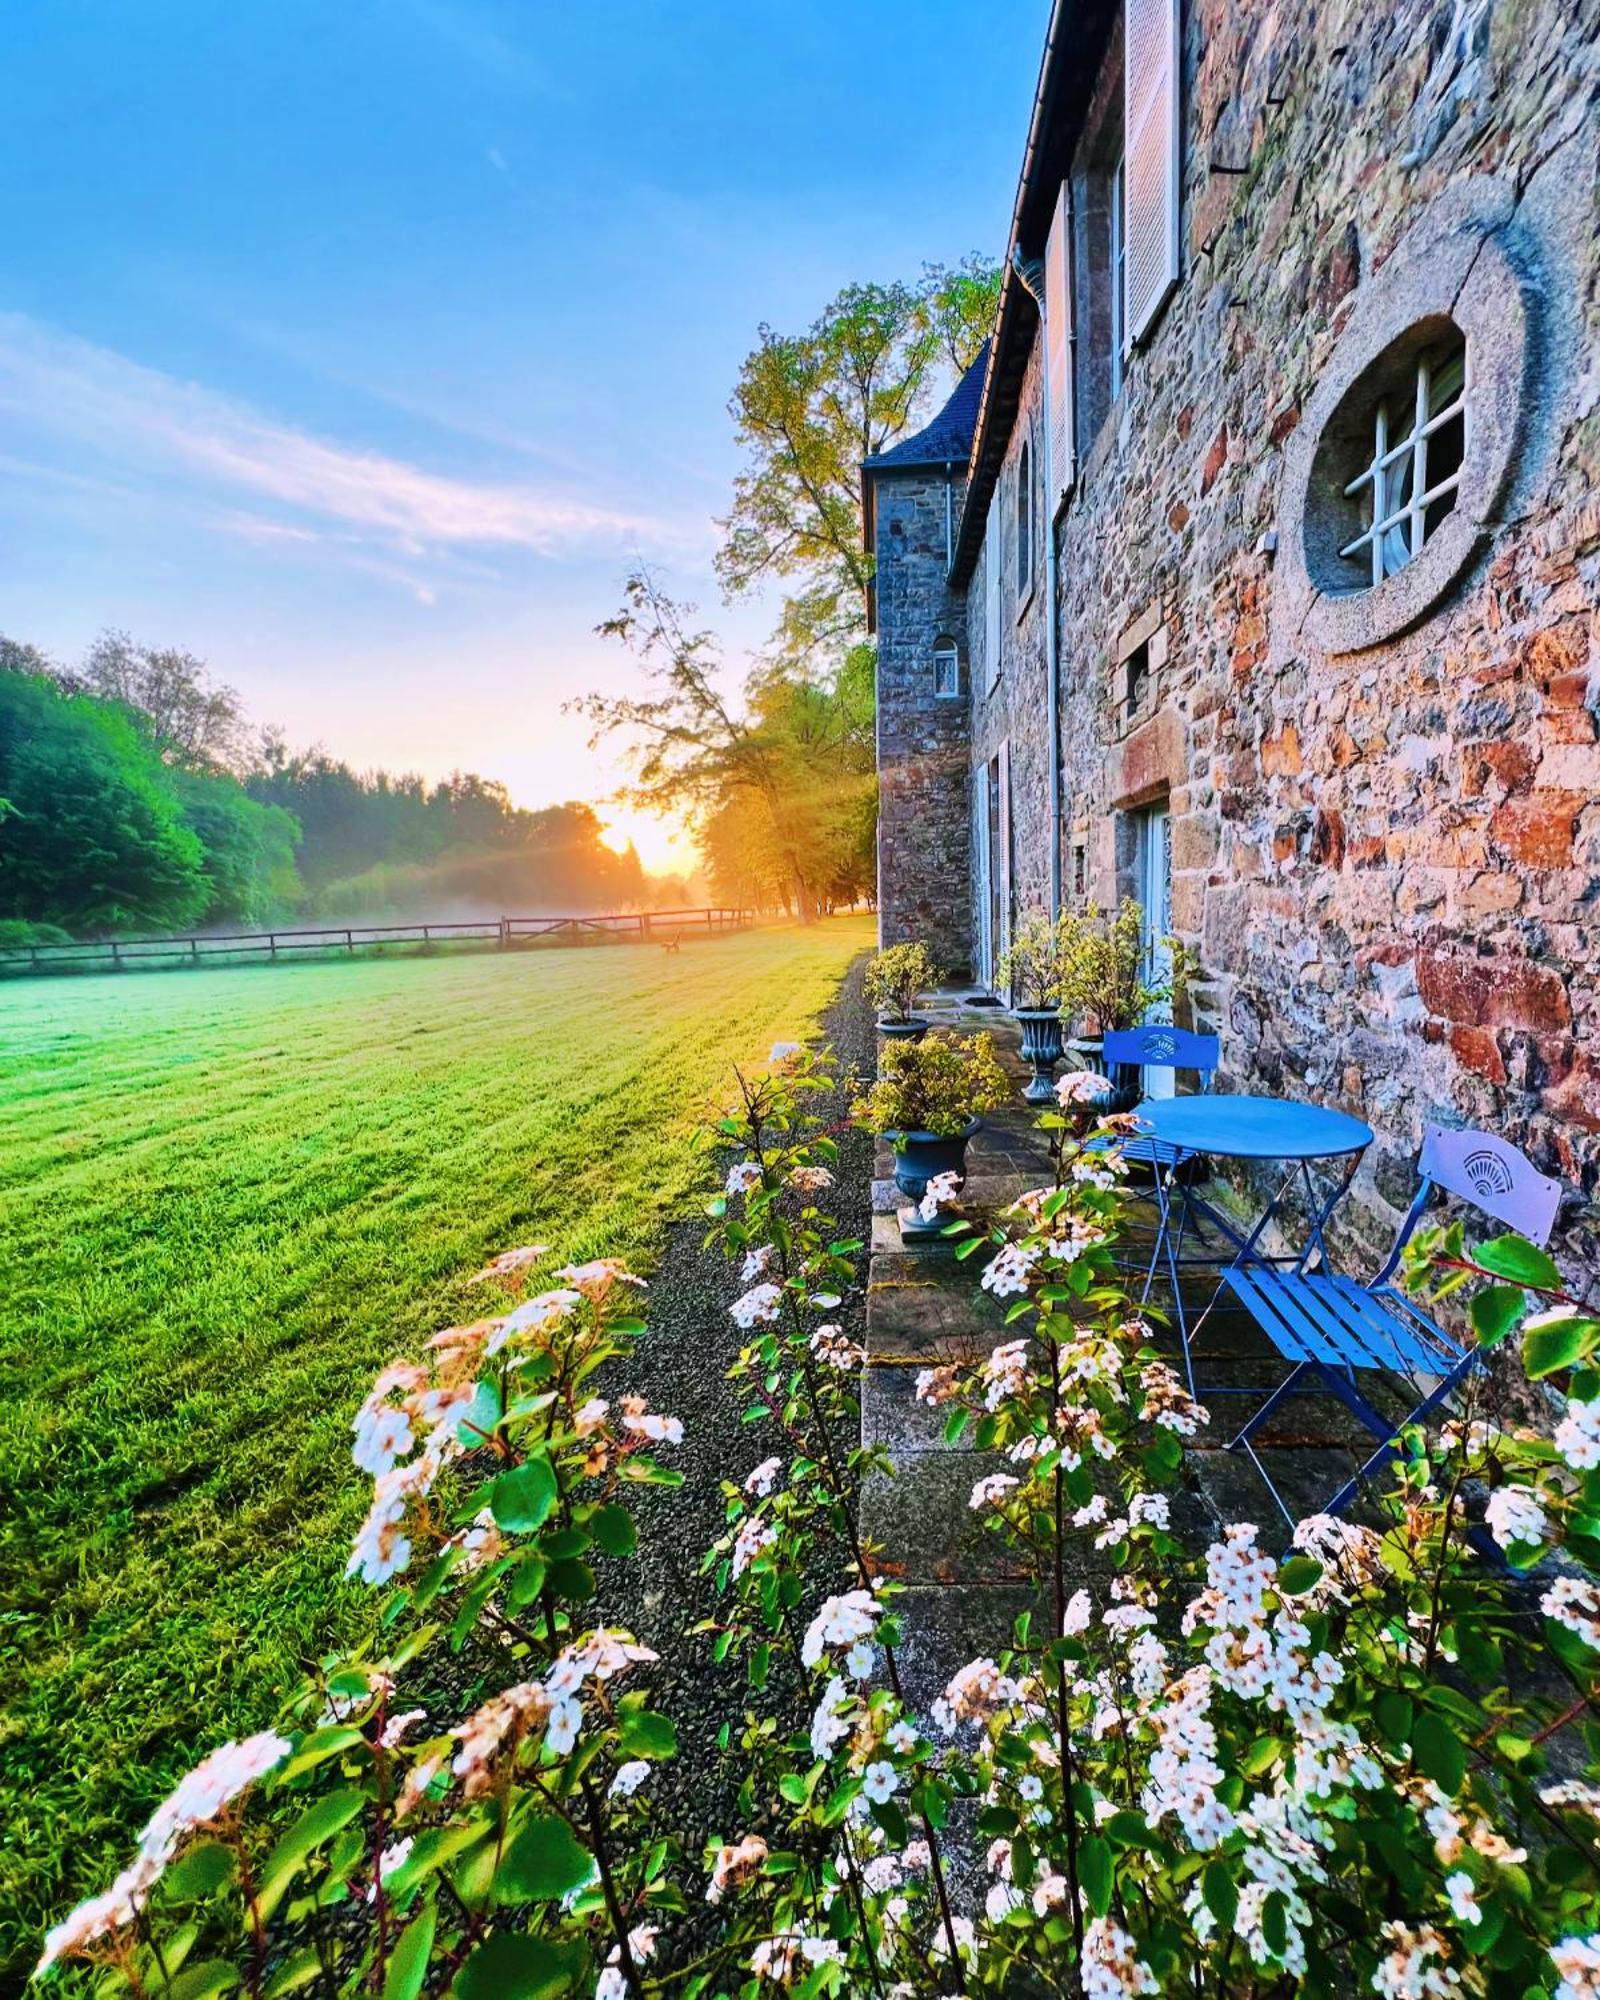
(924, 1306)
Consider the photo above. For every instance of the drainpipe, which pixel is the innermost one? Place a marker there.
(1030, 270)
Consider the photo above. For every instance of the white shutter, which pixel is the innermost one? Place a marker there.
(1003, 943)
(1151, 142)
(1061, 470)
(992, 565)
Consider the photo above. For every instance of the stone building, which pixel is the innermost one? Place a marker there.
(1255, 568)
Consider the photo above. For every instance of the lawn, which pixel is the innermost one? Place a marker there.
(228, 1198)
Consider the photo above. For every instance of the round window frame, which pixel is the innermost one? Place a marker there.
(1455, 266)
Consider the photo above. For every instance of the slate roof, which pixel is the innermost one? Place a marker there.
(947, 440)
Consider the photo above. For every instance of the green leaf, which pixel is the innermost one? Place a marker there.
(1557, 1344)
(408, 1964)
(1514, 1257)
(572, 1579)
(543, 1861)
(1275, 1923)
(316, 1824)
(614, 1530)
(1095, 1873)
(1221, 1894)
(476, 1423)
(200, 1982)
(1439, 1753)
(296, 1971)
(1494, 1312)
(519, 1968)
(201, 1872)
(521, 1499)
(1298, 1574)
(644, 1733)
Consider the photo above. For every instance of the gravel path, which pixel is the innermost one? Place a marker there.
(681, 1368)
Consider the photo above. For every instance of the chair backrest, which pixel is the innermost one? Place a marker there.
(1493, 1176)
(1159, 1045)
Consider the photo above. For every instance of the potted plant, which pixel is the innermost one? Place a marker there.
(895, 977)
(1107, 983)
(928, 1101)
(1031, 969)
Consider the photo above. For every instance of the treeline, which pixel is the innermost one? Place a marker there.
(134, 798)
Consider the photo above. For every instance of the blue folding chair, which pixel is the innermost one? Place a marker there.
(1159, 1045)
(1331, 1328)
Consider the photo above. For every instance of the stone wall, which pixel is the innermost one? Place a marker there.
(1388, 858)
(924, 815)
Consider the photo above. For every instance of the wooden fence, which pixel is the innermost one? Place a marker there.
(670, 928)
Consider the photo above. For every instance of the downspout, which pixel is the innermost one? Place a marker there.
(1030, 271)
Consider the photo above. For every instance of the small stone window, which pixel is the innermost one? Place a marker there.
(1024, 523)
(1136, 677)
(1419, 443)
(946, 669)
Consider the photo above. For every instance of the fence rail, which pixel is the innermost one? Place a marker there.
(666, 927)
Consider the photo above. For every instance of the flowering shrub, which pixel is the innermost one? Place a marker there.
(1364, 1764)
(365, 1841)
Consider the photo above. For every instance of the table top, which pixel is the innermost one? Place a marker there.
(1254, 1128)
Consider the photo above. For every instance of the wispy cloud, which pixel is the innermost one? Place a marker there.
(159, 430)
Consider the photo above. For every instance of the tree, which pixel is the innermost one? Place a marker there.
(786, 775)
(196, 722)
(808, 408)
(94, 838)
(248, 849)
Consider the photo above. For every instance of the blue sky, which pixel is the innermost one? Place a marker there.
(359, 345)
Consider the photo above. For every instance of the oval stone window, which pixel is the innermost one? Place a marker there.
(1398, 469)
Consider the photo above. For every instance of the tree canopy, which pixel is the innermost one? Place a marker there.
(808, 408)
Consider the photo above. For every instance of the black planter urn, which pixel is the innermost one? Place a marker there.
(1041, 1046)
(912, 1029)
(918, 1156)
(1126, 1085)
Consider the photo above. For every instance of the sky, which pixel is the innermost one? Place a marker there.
(361, 346)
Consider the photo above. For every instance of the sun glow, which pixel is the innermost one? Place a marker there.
(665, 846)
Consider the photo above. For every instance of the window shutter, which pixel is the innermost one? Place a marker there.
(992, 565)
(1151, 128)
(1061, 471)
(1003, 943)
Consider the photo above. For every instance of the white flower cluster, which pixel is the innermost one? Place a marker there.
(1112, 1968)
(736, 1865)
(974, 1694)
(599, 1277)
(841, 1622)
(1515, 1514)
(757, 1263)
(510, 1263)
(613, 1981)
(214, 1783)
(941, 1192)
(786, 1960)
(743, 1175)
(1005, 1374)
(1008, 1272)
(810, 1180)
(641, 1422)
(753, 1537)
(1573, 1601)
(1577, 1964)
(1167, 1402)
(1416, 1966)
(539, 1315)
(758, 1306)
(834, 1348)
(760, 1483)
(991, 1491)
(1578, 1435)
(1081, 1087)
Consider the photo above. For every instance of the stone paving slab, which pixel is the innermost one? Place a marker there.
(924, 1527)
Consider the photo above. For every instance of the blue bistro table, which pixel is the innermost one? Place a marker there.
(1297, 1136)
